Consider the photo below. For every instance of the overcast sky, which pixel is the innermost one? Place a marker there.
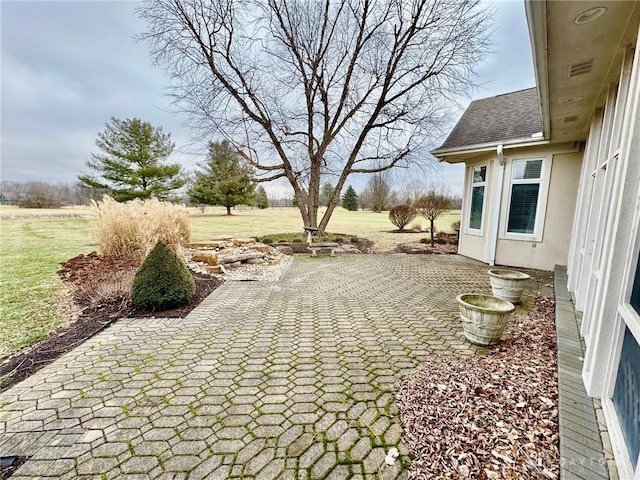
(68, 67)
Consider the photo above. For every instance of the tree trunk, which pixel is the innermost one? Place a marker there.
(228, 209)
(432, 222)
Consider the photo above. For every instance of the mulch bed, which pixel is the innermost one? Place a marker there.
(490, 416)
(84, 274)
(426, 248)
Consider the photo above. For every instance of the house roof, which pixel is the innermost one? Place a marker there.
(499, 119)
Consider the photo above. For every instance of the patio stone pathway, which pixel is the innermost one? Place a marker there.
(290, 379)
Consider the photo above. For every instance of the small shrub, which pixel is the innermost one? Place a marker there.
(163, 280)
(416, 225)
(401, 215)
(131, 229)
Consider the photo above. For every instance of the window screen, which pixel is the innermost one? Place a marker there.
(524, 203)
(626, 394)
(525, 191)
(477, 197)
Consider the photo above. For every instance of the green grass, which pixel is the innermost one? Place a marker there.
(30, 251)
(253, 222)
(32, 245)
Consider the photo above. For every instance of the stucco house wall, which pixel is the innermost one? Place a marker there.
(549, 246)
(587, 65)
(558, 219)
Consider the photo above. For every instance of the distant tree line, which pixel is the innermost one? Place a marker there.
(133, 163)
(34, 194)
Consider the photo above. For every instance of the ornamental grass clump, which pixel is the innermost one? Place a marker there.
(163, 280)
(132, 228)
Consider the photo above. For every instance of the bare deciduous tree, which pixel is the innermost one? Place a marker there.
(318, 87)
(431, 206)
(377, 194)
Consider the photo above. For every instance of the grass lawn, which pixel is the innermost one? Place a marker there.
(250, 222)
(34, 242)
(30, 250)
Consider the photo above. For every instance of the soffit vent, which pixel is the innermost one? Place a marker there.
(569, 119)
(580, 68)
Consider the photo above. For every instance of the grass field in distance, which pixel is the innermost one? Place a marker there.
(34, 241)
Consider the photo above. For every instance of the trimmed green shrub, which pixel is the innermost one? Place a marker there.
(163, 280)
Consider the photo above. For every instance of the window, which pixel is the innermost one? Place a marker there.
(525, 192)
(626, 396)
(478, 182)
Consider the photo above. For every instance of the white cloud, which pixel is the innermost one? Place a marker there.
(67, 67)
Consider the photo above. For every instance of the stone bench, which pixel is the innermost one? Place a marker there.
(316, 246)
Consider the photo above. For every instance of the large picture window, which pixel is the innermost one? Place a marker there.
(478, 183)
(525, 193)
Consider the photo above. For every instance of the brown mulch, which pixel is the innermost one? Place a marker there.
(99, 285)
(426, 248)
(490, 416)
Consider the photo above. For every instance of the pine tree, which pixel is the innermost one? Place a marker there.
(133, 164)
(350, 199)
(224, 179)
(261, 200)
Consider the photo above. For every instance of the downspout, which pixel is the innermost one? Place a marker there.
(497, 200)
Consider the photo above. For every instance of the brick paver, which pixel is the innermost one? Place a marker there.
(288, 379)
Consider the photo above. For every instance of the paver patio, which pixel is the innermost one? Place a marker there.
(287, 379)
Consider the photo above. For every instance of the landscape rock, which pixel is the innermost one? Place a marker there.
(261, 247)
(230, 261)
(205, 257)
(243, 241)
(208, 244)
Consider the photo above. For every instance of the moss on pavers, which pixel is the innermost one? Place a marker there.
(292, 379)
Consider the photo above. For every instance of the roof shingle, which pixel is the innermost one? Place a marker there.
(501, 118)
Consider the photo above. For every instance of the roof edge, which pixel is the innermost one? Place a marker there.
(440, 153)
(536, 13)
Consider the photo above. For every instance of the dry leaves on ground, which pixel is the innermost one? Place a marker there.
(488, 417)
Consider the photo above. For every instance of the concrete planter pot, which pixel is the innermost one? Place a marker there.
(483, 317)
(507, 284)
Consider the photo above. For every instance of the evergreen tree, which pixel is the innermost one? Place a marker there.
(261, 199)
(162, 281)
(224, 180)
(350, 199)
(326, 192)
(133, 162)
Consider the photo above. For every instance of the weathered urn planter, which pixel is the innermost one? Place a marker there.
(483, 317)
(507, 284)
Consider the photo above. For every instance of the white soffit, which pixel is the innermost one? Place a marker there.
(581, 59)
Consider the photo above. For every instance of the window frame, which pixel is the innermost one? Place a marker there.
(468, 228)
(541, 206)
